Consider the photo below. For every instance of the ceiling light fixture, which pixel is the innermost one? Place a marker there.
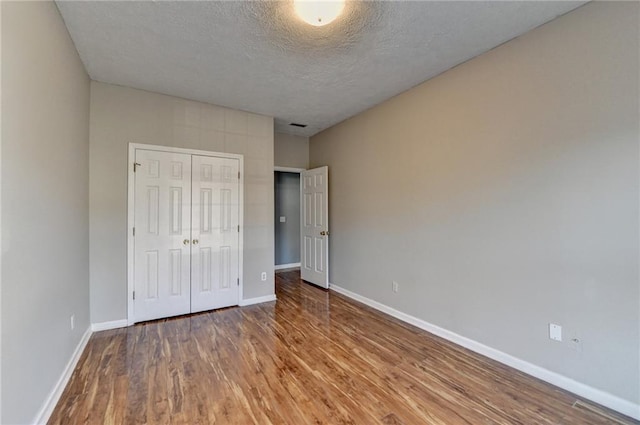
(318, 12)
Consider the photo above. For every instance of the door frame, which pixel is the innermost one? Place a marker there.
(131, 214)
(299, 172)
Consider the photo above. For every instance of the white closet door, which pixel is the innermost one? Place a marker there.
(215, 233)
(162, 234)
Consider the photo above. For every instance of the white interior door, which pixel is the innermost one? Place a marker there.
(314, 225)
(162, 234)
(215, 233)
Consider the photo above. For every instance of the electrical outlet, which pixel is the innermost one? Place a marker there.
(394, 286)
(263, 276)
(575, 342)
(555, 332)
(73, 321)
(283, 219)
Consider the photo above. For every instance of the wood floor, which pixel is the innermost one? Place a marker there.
(312, 357)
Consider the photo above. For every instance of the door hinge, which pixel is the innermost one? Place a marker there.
(135, 166)
(238, 175)
(134, 231)
(238, 281)
(134, 295)
(238, 228)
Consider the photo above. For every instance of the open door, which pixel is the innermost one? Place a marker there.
(314, 224)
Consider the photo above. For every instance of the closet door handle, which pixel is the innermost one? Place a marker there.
(185, 242)
(195, 242)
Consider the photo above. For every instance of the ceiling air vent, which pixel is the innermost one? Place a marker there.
(295, 124)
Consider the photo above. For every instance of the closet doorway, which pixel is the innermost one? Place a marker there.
(185, 235)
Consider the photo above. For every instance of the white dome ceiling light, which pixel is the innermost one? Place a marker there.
(318, 12)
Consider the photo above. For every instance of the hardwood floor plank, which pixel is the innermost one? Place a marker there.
(312, 357)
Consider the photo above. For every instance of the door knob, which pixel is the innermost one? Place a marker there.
(195, 242)
(185, 242)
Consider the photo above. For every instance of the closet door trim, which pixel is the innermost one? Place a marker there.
(131, 214)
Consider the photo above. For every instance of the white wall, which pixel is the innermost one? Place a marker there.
(120, 116)
(45, 204)
(291, 151)
(503, 195)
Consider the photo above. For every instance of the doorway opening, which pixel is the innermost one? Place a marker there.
(302, 222)
(287, 219)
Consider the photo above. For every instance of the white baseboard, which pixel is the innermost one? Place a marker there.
(286, 266)
(52, 400)
(257, 300)
(601, 397)
(105, 326)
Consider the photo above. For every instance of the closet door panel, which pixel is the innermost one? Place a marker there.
(162, 257)
(215, 233)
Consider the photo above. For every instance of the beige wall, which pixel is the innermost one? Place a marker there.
(120, 116)
(45, 205)
(291, 151)
(503, 195)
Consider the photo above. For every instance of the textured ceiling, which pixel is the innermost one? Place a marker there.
(257, 56)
